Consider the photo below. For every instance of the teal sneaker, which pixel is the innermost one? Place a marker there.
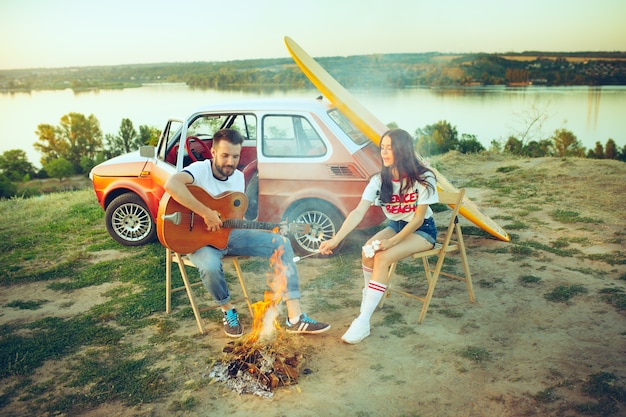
(307, 325)
(232, 327)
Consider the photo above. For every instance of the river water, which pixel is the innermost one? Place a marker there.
(490, 113)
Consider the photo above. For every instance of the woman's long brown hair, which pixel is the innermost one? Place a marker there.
(407, 164)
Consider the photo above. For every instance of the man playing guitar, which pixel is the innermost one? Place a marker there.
(216, 176)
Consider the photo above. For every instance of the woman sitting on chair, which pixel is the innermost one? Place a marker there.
(404, 189)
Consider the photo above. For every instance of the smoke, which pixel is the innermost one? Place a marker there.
(268, 330)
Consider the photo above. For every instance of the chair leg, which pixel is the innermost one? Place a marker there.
(432, 283)
(172, 257)
(192, 299)
(468, 277)
(243, 285)
(168, 281)
(427, 270)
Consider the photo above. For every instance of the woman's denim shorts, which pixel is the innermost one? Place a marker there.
(427, 230)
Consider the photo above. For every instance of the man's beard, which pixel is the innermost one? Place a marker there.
(220, 170)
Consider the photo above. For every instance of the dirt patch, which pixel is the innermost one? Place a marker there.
(53, 303)
(56, 303)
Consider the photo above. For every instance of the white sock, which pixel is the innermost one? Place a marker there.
(373, 295)
(367, 275)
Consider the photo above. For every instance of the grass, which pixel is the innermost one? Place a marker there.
(516, 225)
(546, 396)
(563, 293)
(569, 216)
(65, 222)
(613, 258)
(506, 169)
(26, 305)
(614, 296)
(551, 249)
(450, 313)
(67, 230)
(52, 240)
(475, 354)
(123, 350)
(26, 347)
(528, 280)
(396, 323)
(606, 388)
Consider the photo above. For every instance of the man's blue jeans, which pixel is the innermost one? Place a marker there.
(244, 242)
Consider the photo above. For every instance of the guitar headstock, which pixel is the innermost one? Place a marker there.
(299, 228)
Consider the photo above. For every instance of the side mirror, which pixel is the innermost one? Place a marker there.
(147, 151)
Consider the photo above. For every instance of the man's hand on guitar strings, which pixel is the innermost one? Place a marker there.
(283, 228)
(212, 220)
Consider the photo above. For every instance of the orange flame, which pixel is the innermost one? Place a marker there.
(264, 313)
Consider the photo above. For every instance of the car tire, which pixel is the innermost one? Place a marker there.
(129, 221)
(324, 218)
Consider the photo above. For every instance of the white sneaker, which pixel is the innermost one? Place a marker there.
(358, 331)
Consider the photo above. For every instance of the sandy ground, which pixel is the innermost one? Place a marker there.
(539, 353)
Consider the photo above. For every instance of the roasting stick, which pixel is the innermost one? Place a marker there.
(298, 258)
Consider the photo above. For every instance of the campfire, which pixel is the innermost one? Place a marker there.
(264, 360)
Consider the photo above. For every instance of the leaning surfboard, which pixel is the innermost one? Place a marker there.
(373, 128)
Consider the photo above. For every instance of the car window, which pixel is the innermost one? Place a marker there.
(204, 126)
(245, 124)
(348, 128)
(291, 136)
(171, 133)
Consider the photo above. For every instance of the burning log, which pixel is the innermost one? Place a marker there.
(263, 362)
(252, 368)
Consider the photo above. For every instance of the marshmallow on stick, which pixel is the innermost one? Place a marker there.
(370, 250)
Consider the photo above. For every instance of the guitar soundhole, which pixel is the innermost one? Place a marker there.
(237, 203)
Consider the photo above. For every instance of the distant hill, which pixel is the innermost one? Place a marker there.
(359, 71)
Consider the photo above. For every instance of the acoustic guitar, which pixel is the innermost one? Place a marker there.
(183, 231)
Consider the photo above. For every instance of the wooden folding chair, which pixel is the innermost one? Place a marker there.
(182, 261)
(451, 241)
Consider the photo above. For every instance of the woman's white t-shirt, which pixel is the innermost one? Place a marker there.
(402, 207)
(203, 177)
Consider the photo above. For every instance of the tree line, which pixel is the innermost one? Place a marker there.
(77, 144)
(359, 71)
(73, 147)
(442, 137)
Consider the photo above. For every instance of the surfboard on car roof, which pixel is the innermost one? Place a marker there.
(373, 128)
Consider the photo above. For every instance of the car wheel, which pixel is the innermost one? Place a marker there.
(325, 221)
(129, 221)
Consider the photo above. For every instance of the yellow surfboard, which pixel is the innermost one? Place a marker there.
(373, 128)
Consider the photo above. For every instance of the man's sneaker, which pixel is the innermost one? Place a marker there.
(359, 330)
(307, 325)
(232, 327)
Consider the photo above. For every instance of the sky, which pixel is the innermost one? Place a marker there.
(66, 33)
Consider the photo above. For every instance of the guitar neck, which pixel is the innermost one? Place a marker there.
(246, 224)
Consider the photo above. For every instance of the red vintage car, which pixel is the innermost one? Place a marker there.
(303, 160)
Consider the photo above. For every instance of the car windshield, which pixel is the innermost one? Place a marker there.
(349, 129)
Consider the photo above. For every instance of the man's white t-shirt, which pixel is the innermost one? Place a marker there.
(203, 177)
(403, 207)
